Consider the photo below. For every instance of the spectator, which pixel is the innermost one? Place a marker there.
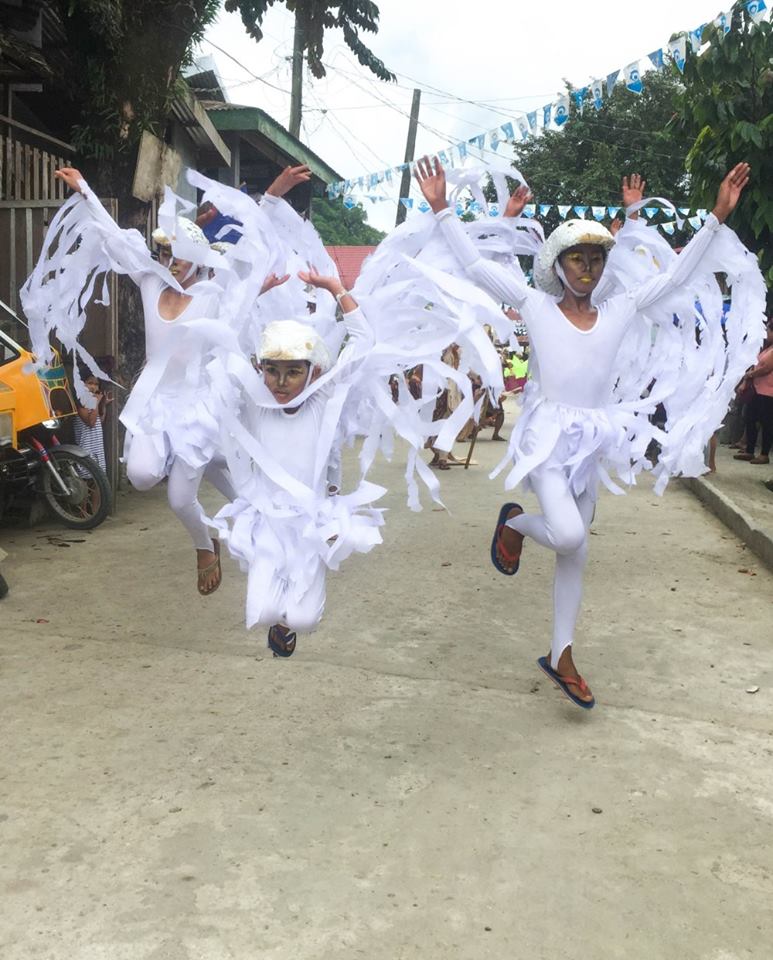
(759, 410)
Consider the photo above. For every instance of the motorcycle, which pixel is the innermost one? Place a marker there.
(34, 465)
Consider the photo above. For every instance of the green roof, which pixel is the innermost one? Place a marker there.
(231, 117)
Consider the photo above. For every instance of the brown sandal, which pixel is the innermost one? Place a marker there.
(206, 572)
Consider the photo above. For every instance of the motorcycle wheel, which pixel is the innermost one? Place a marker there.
(87, 502)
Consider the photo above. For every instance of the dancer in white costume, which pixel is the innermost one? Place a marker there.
(281, 431)
(288, 524)
(171, 425)
(574, 421)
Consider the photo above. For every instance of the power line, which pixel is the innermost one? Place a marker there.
(246, 69)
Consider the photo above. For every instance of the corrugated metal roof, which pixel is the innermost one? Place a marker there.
(348, 261)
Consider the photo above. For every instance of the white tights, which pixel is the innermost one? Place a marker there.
(272, 599)
(145, 469)
(563, 527)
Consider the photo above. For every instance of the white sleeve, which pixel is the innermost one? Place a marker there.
(679, 270)
(497, 280)
(360, 337)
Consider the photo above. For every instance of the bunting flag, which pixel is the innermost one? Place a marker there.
(633, 78)
(656, 59)
(579, 98)
(696, 38)
(561, 111)
(678, 50)
(531, 210)
(597, 92)
(556, 112)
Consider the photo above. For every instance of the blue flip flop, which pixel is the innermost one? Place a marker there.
(500, 523)
(289, 642)
(563, 684)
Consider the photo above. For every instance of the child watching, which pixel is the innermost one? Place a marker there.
(87, 426)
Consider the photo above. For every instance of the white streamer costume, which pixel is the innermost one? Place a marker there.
(586, 408)
(283, 527)
(171, 422)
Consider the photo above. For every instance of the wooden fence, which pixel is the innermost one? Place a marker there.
(28, 159)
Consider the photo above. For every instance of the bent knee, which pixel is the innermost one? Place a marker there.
(142, 479)
(569, 538)
(305, 618)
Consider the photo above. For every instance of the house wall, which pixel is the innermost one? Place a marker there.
(188, 153)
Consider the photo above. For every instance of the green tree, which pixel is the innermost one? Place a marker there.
(340, 226)
(584, 162)
(727, 110)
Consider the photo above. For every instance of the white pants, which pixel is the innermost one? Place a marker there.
(145, 469)
(563, 527)
(272, 599)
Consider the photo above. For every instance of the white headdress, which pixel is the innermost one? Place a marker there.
(185, 229)
(292, 340)
(568, 234)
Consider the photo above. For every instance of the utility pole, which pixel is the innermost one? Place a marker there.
(296, 89)
(410, 147)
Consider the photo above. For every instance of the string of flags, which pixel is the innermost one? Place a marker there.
(539, 211)
(552, 115)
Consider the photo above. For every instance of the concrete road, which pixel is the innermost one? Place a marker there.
(408, 785)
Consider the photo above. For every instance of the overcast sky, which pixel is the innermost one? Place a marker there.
(504, 61)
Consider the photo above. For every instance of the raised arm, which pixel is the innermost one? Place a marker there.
(125, 248)
(361, 339)
(632, 192)
(727, 199)
(499, 282)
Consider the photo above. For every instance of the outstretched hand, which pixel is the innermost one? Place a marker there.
(730, 191)
(71, 177)
(432, 182)
(313, 277)
(290, 177)
(518, 200)
(632, 191)
(271, 281)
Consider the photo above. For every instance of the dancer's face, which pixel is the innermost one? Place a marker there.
(286, 379)
(184, 272)
(583, 266)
